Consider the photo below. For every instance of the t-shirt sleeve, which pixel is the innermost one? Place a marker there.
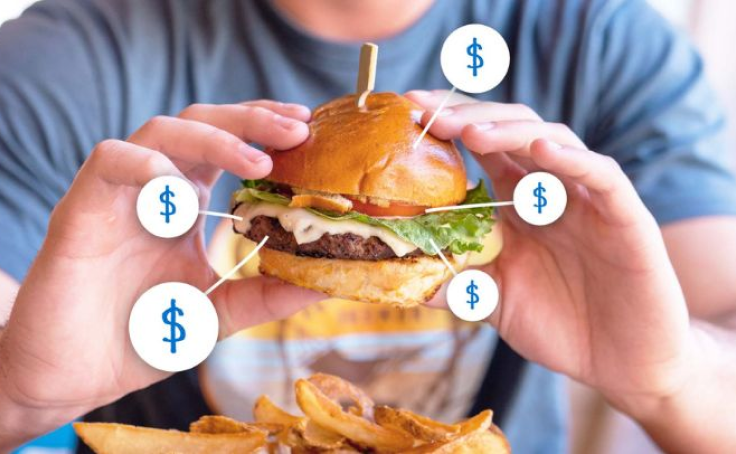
(51, 115)
(657, 115)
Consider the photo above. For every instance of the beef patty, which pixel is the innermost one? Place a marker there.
(343, 246)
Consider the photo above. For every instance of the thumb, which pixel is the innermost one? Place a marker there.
(244, 303)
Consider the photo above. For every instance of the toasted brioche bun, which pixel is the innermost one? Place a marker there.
(369, 152)
(404, 282)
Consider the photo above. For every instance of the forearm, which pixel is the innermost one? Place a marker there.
(22, 420)
(9, 415)
(12, 432)
(15, 416)
(700, 417)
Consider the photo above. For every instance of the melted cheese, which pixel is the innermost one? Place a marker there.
(307, 227)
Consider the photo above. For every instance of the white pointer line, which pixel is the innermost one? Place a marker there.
(230, 273)
(434, 117)
(220, 215)
(442, 256)
(471, 205)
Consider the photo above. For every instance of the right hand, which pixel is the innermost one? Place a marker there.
(65, 350)
(594, 295)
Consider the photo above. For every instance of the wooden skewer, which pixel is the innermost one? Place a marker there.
(367, 71)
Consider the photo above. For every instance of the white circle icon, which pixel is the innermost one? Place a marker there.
(540, 198)
(472, 295)
(167, 207)
(173, 327)
(475, 58)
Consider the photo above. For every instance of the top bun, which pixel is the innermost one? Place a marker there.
(368, 152)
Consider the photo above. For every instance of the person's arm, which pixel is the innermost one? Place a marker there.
(697, 417)
(700, 416)
(703, 251)
(606, 307)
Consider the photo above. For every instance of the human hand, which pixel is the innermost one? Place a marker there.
(594, 295)
(65, 350)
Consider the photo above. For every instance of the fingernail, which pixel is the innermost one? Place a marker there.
(420, 93)
(299, 111)
(446, 112)
(286, 122)
(295, 107)
(553, 145)
(251, 154)
(484, 126)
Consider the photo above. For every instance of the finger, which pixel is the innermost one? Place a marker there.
(516, 136)
(431, 100)
(111, 165)
(248, 302)
(125, 164)
(611, 191)
(251, 123)
(191, 143)
(295, 111)
(451, 120)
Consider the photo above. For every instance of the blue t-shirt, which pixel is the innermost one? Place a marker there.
(75, 72)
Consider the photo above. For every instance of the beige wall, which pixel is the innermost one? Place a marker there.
(712, 26)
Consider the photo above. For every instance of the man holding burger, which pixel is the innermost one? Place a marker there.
(594, 296)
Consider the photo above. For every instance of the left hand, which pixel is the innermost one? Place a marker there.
(66, 348)
(594, 295)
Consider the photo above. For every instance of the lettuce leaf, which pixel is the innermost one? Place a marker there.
(459, 231)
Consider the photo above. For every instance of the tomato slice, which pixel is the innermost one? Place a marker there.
(395, 209)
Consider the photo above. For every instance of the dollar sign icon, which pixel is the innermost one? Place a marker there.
(477, 59)
(169, 207)
(169, 317)
(474, 298)
(541, 200)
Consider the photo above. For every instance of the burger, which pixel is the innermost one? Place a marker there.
(345, 212)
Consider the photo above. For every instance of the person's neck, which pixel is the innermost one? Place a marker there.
(354, 20)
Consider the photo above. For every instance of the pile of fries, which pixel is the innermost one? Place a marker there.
(326, 427)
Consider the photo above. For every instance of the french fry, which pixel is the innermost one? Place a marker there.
(269, 428)
(309, 435)
(105, 438)
(328, 414)
(415, 425)
(296, 432)
(319, 437)
(475, 435)
(478, 423)
(326, 428)
(221, 425)
(474, 443)
(338, 389)
(265, 411)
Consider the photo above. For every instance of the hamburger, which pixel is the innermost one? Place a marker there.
(345, 210)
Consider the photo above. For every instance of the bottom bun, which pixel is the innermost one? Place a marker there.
(403, 282)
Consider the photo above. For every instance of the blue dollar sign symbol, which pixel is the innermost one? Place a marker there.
(477, 59)
(169, 316)
(541, 200)
(474, 298)
(169, 207)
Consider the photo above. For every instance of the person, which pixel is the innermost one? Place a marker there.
(99, 96)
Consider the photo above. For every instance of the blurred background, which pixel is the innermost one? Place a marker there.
(595, 428)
